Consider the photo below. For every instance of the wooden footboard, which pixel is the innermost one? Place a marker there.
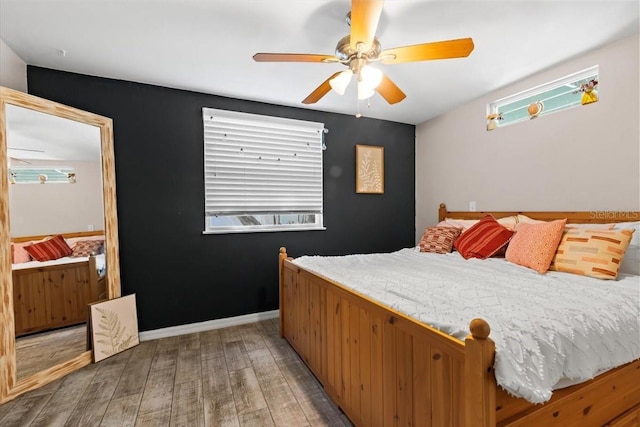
(383, 368)
(54, 296)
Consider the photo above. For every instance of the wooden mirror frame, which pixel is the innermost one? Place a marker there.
(9, 386)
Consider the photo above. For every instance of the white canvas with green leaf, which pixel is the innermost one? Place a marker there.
(114, 326)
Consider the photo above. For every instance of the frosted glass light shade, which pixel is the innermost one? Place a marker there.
(364, 91)
(370, 76)
(341, 81)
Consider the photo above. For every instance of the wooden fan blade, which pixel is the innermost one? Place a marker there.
(320, 91)
(428, 51)
(389, 91)
(25, 149)
(293, 57)
(20, 160)
(365, 15)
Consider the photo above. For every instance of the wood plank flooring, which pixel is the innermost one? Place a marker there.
(239, 376)
(35, 353)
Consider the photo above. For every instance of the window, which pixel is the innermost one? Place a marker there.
(554, 96)
(40, 175)
(261, 173)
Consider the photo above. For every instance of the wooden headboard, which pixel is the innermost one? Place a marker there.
(65, 235)
(595, 216)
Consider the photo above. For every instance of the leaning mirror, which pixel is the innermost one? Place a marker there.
(58, 241)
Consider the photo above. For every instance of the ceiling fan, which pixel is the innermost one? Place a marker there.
(360, 48)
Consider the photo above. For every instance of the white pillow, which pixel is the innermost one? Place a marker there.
(635, 238)
(631, 261)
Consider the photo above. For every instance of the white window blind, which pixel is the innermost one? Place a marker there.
(257, 166)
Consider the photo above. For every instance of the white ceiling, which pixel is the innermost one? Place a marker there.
(207, 45)
(32, 135)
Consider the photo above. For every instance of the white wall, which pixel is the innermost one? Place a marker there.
(39, 209)
(13, 70)
(585, 158)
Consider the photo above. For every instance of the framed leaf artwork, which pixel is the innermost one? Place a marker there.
(113, 326)
(369, 169)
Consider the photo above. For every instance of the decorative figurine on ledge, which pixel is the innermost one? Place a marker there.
(493, 120)
(589, 93)
(535, 109)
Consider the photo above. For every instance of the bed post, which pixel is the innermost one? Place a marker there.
(93, 279)
(479, 380)
(283, 256)
(442, 212)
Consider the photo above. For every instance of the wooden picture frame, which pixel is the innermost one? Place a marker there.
(114, 326)
(369, 169)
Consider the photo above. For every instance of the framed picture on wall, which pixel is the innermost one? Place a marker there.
(369, 169)
(113, 326)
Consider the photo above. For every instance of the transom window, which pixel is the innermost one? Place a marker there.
(41, 175)
(261, 173)
(557, 95)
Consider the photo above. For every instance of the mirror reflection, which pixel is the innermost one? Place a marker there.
(56, 211)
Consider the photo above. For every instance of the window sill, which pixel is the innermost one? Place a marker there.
(249, 229)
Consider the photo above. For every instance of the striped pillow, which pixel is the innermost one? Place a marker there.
(439, 240)
(483, 239)
(593, 253)
(50, 249)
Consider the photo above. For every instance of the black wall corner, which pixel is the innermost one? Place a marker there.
(181, 276)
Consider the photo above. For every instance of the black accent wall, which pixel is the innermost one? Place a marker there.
(181, 276)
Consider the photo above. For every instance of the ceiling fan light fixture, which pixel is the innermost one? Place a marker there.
(364, 90)
(370, 76)
(341, 81)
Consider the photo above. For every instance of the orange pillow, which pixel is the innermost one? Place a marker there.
(534, 245)
(483, 239)
(594, 253)
(19, 254)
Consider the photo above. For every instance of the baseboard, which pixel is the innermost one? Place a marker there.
(191, 328)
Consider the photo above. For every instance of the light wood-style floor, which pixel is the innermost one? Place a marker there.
(35, 353)
(238, 376)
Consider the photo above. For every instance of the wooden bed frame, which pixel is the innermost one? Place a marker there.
(55, 296)
(383, 368)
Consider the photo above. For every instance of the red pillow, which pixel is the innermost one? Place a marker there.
(483, 239)
(49, 249)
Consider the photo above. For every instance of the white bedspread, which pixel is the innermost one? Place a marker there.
(100, 262)
(547, 328)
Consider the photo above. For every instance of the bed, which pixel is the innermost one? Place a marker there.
(54, 294)
(383, 367)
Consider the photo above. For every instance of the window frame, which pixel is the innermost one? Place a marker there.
(58, 169)
(493, 108)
